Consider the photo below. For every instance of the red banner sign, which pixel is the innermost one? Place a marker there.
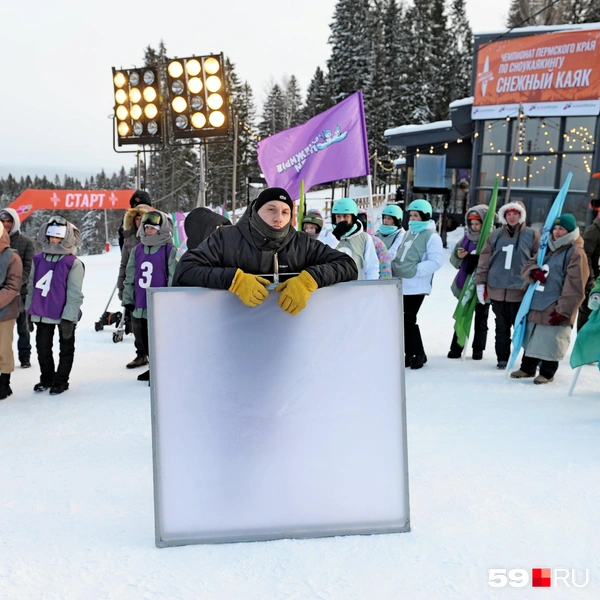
(562, 66)
(31, 200)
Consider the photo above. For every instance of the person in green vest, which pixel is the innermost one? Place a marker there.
(354, 241)
(419, 256)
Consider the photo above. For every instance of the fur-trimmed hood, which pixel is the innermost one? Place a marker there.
(68, 245)
(132, 213)
(16, 220)
(518, 206)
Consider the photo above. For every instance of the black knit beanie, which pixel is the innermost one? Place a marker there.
(274, 193)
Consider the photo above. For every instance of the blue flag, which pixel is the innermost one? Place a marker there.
(521, 319)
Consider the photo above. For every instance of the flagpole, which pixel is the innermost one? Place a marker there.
(301, 206)
(575, 378)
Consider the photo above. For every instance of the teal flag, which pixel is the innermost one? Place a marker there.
(179, 235)
(521, 318)
(587, 344)
(463, 315)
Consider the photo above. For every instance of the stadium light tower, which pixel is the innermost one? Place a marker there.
(198, 106)
(137, 106)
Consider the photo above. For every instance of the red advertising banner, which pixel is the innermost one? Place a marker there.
(31, 200)
(552, 67)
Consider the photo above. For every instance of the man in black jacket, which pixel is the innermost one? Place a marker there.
(244, 258)
(25, 249)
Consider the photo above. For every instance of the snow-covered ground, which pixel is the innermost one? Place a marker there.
(503, 474)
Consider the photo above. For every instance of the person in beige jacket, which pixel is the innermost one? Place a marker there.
(498, 277)
(560, 292)
(11, 273)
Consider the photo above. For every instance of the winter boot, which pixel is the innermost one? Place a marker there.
(477, 354)
(521, 374)
(454, 354)
(58, 388)
(41, 386)
(138, 361)
(145, 376)
(407, 359)
(25, 363)
(502, 364)
(418, 361)
(541, 379)
(5, 390)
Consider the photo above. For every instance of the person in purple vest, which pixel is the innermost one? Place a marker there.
(151, 264)
(54, 298)
(465, 261)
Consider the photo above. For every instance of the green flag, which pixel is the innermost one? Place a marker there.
(587, 345)
(301, 206)
(463, 315)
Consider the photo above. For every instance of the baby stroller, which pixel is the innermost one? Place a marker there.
(120, 319)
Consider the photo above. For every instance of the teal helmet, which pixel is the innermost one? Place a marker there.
(345, 206)
(421, 206)
(393, 210)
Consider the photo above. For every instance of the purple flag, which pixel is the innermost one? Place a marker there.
(330, 146)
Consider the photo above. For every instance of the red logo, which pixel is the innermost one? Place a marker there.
(541, 577)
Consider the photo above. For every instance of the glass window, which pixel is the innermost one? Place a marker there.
(534, 171)
(491, 167)
(581, 167)
(577, 205)
(579, 134)
(483, 196)
(495, 135)
(541, 134)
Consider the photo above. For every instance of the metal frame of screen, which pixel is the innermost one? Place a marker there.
(385, 509)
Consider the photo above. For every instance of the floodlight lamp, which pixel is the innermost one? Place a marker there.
(198, 120)
(121, 113)
(123, 129)
(149, 94)
(135, 112)
(138, 128)
(119, 80)
(216, 118)
(211, 66)
(195, 85)
(192, 67)
(148, 77)
(213, 83)
(214, 101)
(196, 103)
(179, 104)
(120, 96)
(177, 87)
(135, 95)
(134, 78)
(152, 128)
(181, 121)
(150, 111)
(175, 69)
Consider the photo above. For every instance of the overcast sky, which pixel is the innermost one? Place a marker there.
(57, 56)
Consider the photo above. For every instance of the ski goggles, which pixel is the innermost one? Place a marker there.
(151, 218)
(55, 230)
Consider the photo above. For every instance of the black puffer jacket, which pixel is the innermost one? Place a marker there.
(214, 263)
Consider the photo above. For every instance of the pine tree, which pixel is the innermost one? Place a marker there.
(318, 96)
(351, 42)
(460, 63)
(292, 98)
(524, 13)
(273, 115)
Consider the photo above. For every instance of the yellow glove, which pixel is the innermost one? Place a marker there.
(250, 289)
(295, 292)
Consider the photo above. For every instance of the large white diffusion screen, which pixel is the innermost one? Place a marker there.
(268, 426)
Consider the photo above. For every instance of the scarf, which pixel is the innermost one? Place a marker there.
(418, 226)
(266, 236)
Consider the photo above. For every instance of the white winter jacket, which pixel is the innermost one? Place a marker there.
(432, 260)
